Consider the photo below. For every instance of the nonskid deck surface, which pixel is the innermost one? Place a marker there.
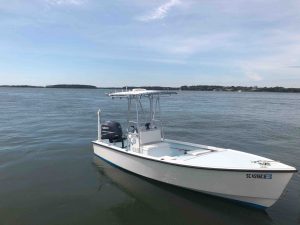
(170, 149)
(211, 157)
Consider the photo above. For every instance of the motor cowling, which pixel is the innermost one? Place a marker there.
(112, 131)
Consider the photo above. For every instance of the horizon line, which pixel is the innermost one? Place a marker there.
(137, 86)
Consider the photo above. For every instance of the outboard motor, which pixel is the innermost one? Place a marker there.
(112, 131)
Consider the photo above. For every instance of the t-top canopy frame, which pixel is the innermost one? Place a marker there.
(134, 98)
(141, 92)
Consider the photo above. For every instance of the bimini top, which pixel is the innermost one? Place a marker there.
(141, 92)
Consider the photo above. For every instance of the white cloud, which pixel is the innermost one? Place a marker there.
(254, 76)
(279, 50)
(203, 43)
(185, 46)
(66, 2)
(160, 12)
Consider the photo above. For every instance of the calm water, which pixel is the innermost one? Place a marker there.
(49, 175)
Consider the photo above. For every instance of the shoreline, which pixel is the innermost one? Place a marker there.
(212, 88)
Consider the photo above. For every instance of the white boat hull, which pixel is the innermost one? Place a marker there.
(244, 186)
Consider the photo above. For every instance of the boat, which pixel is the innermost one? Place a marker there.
(143, 149)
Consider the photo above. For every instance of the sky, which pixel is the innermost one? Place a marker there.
(150, 42)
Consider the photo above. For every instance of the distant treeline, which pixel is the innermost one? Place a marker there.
(151, 88)
(237, 88)
(183, 88)
(21, 86)
(53, 86)
(71, 86)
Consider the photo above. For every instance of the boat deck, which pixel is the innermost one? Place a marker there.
(195, 155)
(211, 157)
(171, 149)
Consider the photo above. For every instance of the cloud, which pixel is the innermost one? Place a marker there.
(202, 43)
(275, 56)
(254, 76)
(184, 45)
(160, 12)
(66, 2)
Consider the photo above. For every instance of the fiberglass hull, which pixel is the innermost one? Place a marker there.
(259, 188)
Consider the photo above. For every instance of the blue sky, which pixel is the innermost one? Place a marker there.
(143, 42)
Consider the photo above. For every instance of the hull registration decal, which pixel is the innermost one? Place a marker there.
(259, 175)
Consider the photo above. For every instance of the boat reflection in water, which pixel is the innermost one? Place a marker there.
(153, 202)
